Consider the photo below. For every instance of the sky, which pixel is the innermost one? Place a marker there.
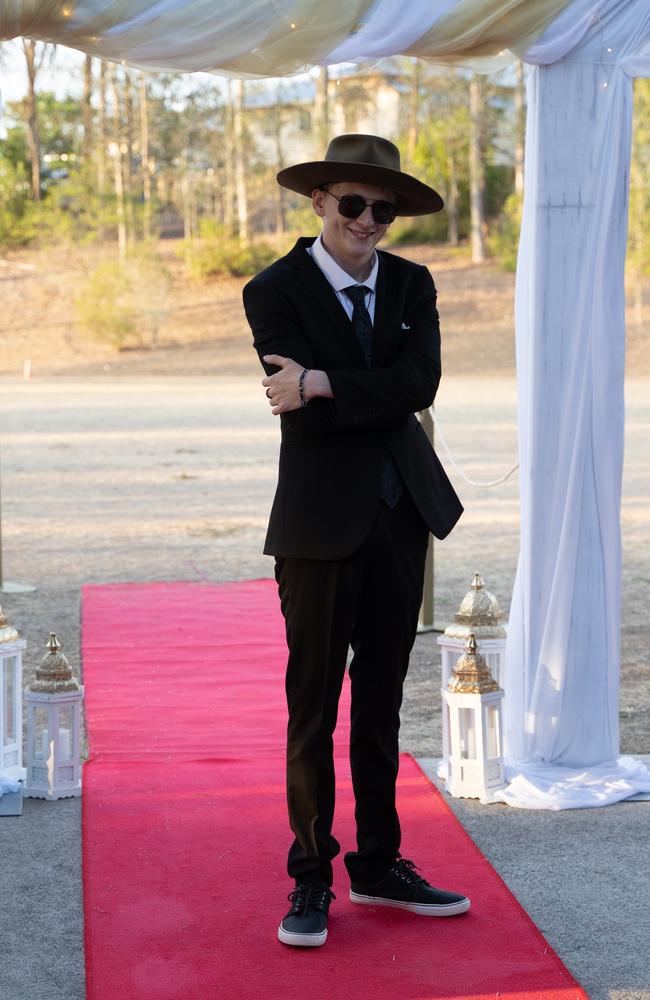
(65, 76)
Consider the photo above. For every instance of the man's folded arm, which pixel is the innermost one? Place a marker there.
(373, 398)
(406, 386)
(277, 331)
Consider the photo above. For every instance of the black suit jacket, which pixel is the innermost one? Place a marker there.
(331, 453)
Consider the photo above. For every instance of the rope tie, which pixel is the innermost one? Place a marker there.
(454, 463)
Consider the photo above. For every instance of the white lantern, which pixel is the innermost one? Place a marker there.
(479, 614)
(472, 704)
(11, 699)
(53, 727)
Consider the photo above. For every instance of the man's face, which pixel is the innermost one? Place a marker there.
(351, 239)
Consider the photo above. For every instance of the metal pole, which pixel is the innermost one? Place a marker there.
(426, 622)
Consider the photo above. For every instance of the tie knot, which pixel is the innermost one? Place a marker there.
(356, 294)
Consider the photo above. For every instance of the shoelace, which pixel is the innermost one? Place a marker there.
(311, 895)
(406, 870)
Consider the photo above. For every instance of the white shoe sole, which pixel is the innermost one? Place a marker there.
(302, 940)
(423, 909)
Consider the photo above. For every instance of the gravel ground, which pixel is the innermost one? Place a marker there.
(171, 479)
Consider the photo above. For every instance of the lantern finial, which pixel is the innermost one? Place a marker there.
(7, 632)
(479, 612)
(54, 674)
(53, 645)
(471, 675)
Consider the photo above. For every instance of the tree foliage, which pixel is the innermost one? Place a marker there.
(138, 157)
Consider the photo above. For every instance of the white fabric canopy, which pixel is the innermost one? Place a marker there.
(563, 655)
(563, 658)
(277, 37)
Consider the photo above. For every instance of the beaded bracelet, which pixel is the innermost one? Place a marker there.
(301, 386)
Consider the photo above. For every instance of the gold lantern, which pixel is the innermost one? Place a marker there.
(53, 728)
(480, 615)
(472, 703)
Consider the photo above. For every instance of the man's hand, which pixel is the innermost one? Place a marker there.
(282, 388)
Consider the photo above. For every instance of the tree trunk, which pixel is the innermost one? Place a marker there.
(279, 164)
(240, 162)
(414, 103)
(520, 125)
(187, 188)
(115, 150)
(145, 165)
(638, 299)
(101, 139)
(87, 108)
(31, 117)
(476, 170)
(128, 154)
(636, 224)
(452, 203)
(322, 111)
(229, 164)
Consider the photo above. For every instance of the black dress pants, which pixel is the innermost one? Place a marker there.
(369, 601)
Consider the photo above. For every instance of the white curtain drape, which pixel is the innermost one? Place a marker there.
(563, 656)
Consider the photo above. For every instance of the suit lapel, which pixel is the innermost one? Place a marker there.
(325, 300)
(387, 305)
(387, 312)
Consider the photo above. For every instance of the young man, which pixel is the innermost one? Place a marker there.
(350, 343)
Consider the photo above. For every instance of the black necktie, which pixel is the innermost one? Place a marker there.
(391, 488)
(361, 319)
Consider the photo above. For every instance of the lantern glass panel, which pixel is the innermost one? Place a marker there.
(9, 693)
(493, 748)
(65, 732)
(42, 735)
(467, 733)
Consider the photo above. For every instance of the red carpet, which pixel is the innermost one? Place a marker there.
(184, 828)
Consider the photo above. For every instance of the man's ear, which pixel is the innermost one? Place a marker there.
(318, 201)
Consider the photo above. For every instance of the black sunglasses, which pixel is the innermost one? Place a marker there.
(351, 206)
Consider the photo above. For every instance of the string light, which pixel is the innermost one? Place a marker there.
(66, 12)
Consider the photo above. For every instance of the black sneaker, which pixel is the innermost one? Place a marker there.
(404, 888)
(306, 922)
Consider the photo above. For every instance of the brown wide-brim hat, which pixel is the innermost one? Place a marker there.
(366, 159)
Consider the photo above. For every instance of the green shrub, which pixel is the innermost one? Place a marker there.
(218, 253)
(504, 239)
(17, 230)
(17, 217)
(123, 304)
(424, 229)
(302, 219)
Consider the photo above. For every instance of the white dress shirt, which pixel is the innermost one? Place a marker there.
(340, 279)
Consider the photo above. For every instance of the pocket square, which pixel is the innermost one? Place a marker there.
(405, 326)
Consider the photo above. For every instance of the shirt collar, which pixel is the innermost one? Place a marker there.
(337, 277)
